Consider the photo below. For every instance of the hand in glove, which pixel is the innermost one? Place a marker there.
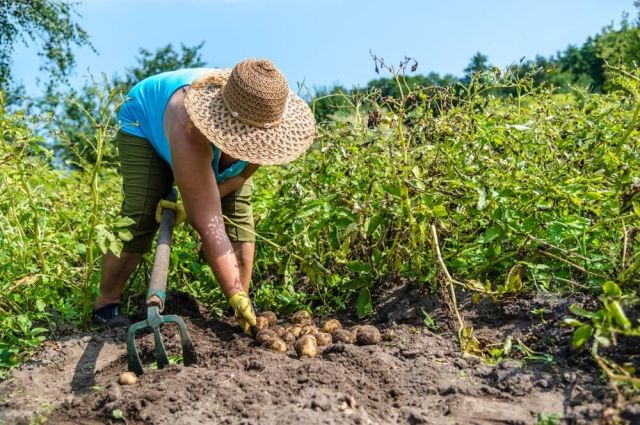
(241, 304)
(181, 214)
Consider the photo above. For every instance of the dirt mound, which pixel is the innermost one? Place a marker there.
(417, 378)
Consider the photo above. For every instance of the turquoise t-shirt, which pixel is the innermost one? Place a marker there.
(142, 114)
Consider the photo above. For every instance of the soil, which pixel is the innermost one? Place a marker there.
(419, 377)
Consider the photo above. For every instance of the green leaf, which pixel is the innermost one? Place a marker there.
(582, 335)
(490, 234)
(578, 311)
(117, 414)
(440, 211)
(40, 305)
(528, 224)
(482, 199)
(375, 221)
(610, 289)
(364, 306)
(359, 267)
(125, 235)
(115, 246)
(616, 310)
(124, 222)
(572, 322)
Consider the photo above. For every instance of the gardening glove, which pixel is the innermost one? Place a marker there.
(241, 304)
(181, 214)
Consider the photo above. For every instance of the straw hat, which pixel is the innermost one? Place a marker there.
(250, 113)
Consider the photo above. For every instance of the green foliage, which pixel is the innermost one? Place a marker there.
(51, 23)
(603, 327)
(478, 64)
(43, 238)
(526, 191)
(548, 419)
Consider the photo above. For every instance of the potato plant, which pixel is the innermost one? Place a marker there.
(442, 186)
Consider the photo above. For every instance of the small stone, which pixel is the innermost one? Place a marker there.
(544, 383)
(569, 377)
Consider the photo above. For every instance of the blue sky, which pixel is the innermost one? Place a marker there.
(323, 42)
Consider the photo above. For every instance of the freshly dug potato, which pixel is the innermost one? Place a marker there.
(367, 335)
(354, 332)
(288, 337)
(308, 330)
(323, 338)
(299, 316)
(277, 345)
(306, 322)
(265, 336)
(127, 378)
(343, 336)
(270, 316)
(279, 330)
(388, 335)
(295, 330)
(307, 346)
(331, 326)
(262, 323)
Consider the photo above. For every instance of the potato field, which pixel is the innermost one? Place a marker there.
(487, 234)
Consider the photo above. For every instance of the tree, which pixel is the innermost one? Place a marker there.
(49, 22)
(478, 63)
(163, 59)
(71, 123)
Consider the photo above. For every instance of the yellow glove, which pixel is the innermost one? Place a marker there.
(241, 304)
(181, 214)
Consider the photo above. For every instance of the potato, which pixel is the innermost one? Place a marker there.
(270, 316)
(331, 326)
(323, 338)
(367, 335)
(262, 323)
(277, 345)
(299, 316)
(306, 322)
(295, 330)
(279, 330)
(127, 378)
(266, 336)
(288, 337)
(343, 336)
(308, 330)
(307, 346)
(354, 332)
(388, 335)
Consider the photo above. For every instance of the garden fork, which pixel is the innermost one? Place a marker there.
(156, 296)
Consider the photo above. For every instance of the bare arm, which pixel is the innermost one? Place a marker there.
(191, 154)
(234, 183)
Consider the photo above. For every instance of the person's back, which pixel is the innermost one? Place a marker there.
(142, 114)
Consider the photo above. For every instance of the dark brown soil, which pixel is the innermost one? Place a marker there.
(419, 377)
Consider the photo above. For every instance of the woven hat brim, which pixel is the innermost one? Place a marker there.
(266, 146)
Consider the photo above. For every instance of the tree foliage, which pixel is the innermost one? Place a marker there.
(49, 23)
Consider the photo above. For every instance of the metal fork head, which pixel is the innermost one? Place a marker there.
(155, 321)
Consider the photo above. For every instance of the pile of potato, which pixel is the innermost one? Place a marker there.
(305, 337)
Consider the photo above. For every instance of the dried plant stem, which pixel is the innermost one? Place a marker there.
(574, 265)
(36, 220)
(435, 245)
